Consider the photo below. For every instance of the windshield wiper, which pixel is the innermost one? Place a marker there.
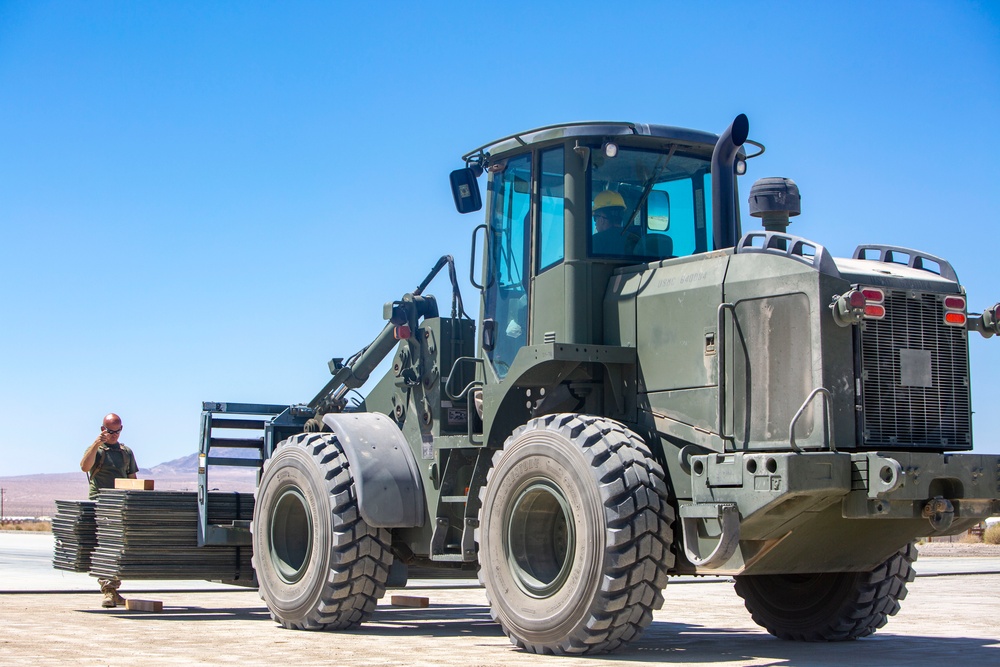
(647, 187)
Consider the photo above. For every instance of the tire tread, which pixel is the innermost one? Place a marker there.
(866, 607)
(360, 554)
(639, 527)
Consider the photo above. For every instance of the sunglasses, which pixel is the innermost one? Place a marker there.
(111, 431)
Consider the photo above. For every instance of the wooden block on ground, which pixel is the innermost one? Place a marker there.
(409, 601)
(143, 605)
(134, 484)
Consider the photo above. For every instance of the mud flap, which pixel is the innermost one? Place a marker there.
(390, 493)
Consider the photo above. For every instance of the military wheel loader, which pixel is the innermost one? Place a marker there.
(650, 394)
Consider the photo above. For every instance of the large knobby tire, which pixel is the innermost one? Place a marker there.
(319, 565)
(831, 606)
(574, 537)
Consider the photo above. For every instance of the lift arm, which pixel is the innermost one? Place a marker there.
(402, 316)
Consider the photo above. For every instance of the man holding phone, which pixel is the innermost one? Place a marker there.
(104, 461)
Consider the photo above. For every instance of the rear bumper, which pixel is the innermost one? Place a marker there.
(791, 506)
(869, 485)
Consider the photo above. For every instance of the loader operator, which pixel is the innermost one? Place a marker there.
(609, 211)
(104, 461)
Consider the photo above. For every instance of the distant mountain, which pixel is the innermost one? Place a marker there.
(189, 464)
(35, 495)
(185, 464)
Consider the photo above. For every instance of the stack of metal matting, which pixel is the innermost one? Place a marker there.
(75, 531)
(154, 535)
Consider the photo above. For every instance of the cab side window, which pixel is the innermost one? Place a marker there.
(551, 197)
(680, 228)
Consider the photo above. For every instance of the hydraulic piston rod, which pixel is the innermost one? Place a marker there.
(405, 312)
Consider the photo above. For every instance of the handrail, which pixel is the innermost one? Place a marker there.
(787, 245)
(472, 262)
(451, 374)
(827, 417)
(916, 259)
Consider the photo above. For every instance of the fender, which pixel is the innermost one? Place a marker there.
(390, 493)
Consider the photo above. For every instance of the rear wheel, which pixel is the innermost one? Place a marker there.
(829, 606)
(574, 535)
(319, 565)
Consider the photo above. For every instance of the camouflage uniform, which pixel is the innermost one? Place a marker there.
(112, 462)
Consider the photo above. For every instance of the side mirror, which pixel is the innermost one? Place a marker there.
(658, 211)
(465, 190)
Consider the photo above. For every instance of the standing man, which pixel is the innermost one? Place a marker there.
(106, 460)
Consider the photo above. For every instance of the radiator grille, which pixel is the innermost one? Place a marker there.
(894, 415)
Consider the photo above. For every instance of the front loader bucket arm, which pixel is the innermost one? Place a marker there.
(403, 316)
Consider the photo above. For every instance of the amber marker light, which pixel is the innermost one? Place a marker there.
(954, 319)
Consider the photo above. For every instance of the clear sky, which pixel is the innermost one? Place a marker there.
(207, 201)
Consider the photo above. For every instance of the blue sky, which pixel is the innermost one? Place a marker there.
(207, 201)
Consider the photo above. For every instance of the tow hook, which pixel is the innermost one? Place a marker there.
(940, 512)
(728, 516)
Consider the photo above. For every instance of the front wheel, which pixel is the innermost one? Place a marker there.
(574, 536)
(319, 565)
(828, 606)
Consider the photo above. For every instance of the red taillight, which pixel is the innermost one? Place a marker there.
(874, 298)
(954, 303)
(873, 295)
(857, 299)
(874, 311)
(954, 311)
(955, 319)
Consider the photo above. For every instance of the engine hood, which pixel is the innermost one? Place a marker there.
(886, 274)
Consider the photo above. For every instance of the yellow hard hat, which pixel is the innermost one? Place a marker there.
(608, 199)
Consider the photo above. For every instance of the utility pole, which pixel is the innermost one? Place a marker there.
(2, 515)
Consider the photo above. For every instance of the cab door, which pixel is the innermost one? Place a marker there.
(505, 315)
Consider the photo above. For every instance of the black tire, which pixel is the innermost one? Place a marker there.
(831, 606)
(319, 565)
(574, 537)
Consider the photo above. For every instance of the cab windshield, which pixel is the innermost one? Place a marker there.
(648, 205)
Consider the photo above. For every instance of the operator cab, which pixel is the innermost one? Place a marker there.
(567, 205)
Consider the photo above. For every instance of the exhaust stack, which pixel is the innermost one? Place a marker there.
(725, 228)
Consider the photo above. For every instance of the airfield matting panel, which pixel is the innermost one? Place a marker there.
(154, 535)
(75, 530)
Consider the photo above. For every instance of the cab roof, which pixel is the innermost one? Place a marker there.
(591, 129)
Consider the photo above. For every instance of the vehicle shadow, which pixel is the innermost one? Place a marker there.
(663, 642)
(188, 613)
(437, 620)
(679, 642)
(687, 643)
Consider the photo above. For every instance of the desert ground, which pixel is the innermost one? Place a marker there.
(50, 617)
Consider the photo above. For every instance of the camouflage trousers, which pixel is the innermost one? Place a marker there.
(109, 585)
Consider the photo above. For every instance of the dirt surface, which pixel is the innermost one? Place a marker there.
(701, 623)
(51, 617)
(958, 549)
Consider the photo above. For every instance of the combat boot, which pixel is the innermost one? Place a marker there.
(119, 600)
(109, 599)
